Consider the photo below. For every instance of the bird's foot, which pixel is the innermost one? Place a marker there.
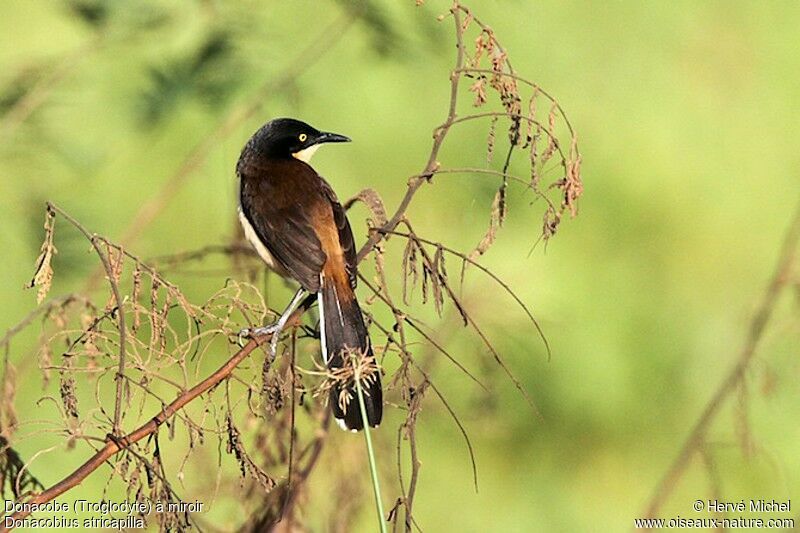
(249, 333)
(272, 329)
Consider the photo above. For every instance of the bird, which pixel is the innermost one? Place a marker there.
(293, 219)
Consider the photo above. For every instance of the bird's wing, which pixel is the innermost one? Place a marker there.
(346, 240)
(286, 231)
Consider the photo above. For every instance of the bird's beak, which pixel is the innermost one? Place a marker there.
(328, 137)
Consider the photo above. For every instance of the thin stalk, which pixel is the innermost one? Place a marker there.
(373, 469)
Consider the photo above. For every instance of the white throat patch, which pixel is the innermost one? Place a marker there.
(305, 155)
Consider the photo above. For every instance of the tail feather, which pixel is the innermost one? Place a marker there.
(343, 334)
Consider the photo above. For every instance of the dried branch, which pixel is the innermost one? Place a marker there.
(123, 330)
(781, 279)
(489, 273)
(439, 134)
(116, 444)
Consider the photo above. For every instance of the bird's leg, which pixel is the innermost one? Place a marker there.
(298, 297)
(275, 328)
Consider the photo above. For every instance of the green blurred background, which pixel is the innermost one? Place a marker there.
(687, 116)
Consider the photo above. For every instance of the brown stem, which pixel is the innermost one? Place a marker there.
(123, 332)
(439, 134)
(114, 446)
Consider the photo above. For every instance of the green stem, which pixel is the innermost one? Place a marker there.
(373, 470)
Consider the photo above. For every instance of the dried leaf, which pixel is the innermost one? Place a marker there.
(425, 278)
(532, 123)
(479, 88)
(440, 279)
(573, 186)
(409, 268)
(550, 222)
(534, 158)
(136, 292)
(246, 465)
(163, 320)
(490, 140)
(374, 202)
(88, 324)
(494, 224)
(156, 324)
(116, 259)
(467, 21)
(502, 203)
(68, 398)
(552, 143)
(43, 275)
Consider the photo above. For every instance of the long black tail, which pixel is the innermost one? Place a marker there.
(343, 334)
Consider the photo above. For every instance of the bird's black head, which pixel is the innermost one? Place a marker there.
(287, 137)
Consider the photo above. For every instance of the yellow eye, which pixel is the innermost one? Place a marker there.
(303, 137)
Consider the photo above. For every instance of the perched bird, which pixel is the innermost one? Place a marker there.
(293, 219)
